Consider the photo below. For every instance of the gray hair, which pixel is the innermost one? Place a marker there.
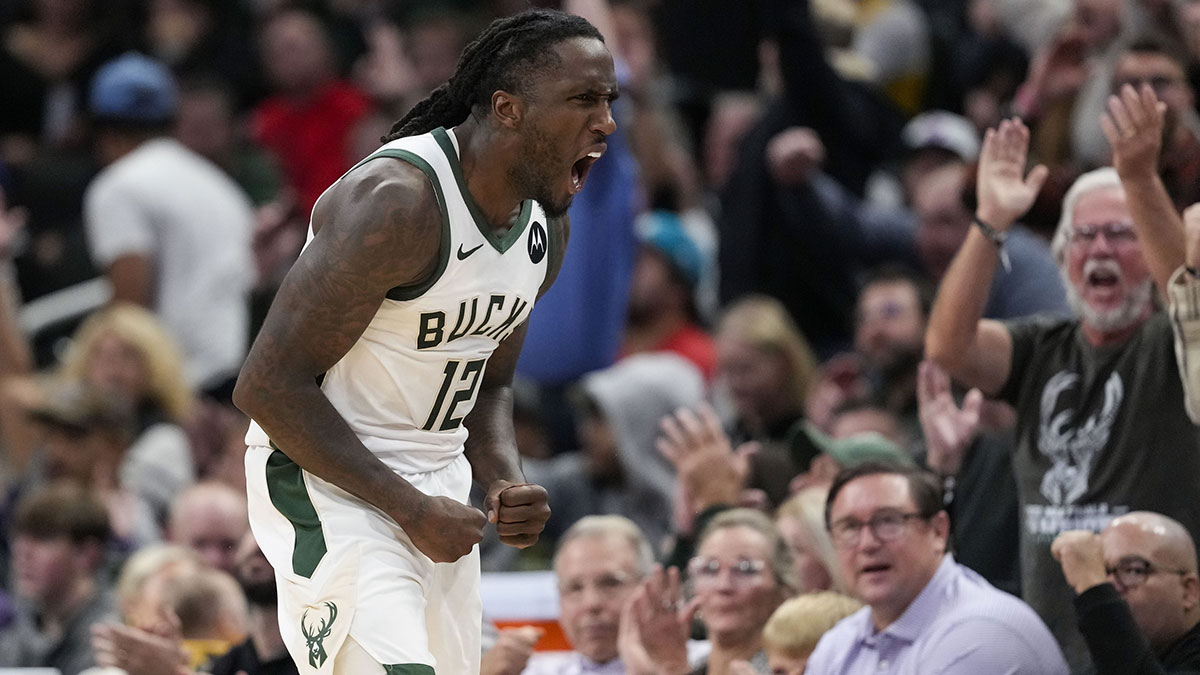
(1091, 181)
(780, 554)
(616, 527)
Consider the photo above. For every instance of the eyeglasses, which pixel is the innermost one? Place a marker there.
(604, 585)
(885, 526)
(1114, 233)
(742, 572)
(1132, 571)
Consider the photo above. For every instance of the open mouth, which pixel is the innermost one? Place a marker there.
(580, 169)
(874, 569)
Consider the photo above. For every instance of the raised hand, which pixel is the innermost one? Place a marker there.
(137, 651)
(948, 429)
(655, 624)
(445, 529)
(1082, 559)
(519, 510)
(1004, 190)
(709, 471)
(1134, 127)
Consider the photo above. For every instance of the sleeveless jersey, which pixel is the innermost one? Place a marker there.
(410, 379)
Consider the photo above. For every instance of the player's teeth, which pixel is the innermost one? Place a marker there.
(594, 155)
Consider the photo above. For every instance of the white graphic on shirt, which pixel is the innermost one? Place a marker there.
(1073, 449)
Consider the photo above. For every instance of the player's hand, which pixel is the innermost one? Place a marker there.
(519, 510)
(1082, 558)
(1005, 192)
(444, 529)
(1134, 127)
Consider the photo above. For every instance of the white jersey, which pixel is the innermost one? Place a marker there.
(410, 379)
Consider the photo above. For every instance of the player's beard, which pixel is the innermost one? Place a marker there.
(535, 176)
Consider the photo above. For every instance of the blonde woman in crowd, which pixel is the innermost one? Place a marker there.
(801, 522)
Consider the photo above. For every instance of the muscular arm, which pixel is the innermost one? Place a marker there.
(377, 229)
(491, 446)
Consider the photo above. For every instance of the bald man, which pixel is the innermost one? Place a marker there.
(1138, 597)
(209, 518)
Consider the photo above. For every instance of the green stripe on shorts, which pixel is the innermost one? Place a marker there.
(289, 494)
(407, 669)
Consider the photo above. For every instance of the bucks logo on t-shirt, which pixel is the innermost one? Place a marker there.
(537, 242)
(315, 631)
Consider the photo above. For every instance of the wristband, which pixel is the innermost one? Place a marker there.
(996, 237)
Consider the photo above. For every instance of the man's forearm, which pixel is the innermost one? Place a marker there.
(305, 426)
(491, 447)
(1158, 225)
(961, 298)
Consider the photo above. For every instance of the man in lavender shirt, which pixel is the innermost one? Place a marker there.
(925, 613)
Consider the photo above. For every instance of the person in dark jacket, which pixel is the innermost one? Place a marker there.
(1138, 596)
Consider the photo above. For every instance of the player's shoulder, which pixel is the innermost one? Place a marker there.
(379, 193)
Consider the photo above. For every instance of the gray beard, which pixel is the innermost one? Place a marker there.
(1130, 311)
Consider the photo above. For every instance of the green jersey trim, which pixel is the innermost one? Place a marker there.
(289, 494)
(416, 290)
(407, 669)
(499, 242)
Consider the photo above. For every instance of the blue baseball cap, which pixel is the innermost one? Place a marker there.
(664, 232)
(133, 88)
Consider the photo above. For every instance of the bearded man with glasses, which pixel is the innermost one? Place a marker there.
(1138, 598)
(924, 612)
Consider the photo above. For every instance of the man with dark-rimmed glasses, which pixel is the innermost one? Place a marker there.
(1138, 594)
(924, 612)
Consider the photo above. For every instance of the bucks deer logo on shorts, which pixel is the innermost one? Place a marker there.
(316, 631)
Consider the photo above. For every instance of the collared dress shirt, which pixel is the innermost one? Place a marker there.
(959, 624)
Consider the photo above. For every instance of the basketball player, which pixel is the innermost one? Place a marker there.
(396, 331)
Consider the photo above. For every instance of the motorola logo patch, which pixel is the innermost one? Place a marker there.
(537, 242)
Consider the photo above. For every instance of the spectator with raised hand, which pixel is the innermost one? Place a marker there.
(741, 573)
(1138, 594)
(1101, 426)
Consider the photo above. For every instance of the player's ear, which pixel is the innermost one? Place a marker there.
(507, 108)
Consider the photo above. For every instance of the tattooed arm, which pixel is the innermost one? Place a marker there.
(519, 509)
(378, 228)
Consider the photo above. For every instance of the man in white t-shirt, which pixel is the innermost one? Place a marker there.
(170, 229)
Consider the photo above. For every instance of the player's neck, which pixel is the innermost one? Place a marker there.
(485, 159)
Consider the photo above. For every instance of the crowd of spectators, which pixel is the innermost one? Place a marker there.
(745, 324)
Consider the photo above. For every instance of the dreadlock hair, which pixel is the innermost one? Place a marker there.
(504, 55)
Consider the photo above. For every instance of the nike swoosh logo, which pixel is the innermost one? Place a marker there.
(463, 255)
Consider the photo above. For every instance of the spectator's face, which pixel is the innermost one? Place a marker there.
(117, 367)
(889, 324)
(72, 454)
(296, 54)
(212, 529)
(1108, 282)
(45, 568)
(1157, 602)
(942, 219)
(204, 123)
(567, 115)
(810, 569)
(887, 575)
(254, 573)
(755, 378)
(731, 574)
(595, 577)
(1166, 77)
(1188, 15)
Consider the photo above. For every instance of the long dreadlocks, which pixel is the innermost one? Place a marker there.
(504, 55)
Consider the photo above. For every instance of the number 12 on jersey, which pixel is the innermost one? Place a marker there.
(471, 374)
